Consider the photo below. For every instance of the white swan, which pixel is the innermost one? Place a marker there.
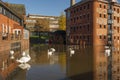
(72, 52)
(52, 49)
(24, 59)
(23, 54)
(25, 66)
(49, 53)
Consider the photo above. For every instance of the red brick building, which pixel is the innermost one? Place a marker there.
(96, 23)
(12, 37)
(87, 22)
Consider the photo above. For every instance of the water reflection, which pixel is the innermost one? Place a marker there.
(79, 66)
(87, 63)
(42, 65)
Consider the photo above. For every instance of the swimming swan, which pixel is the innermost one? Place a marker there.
(24, 59)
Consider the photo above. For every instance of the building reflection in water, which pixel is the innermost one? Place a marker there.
(44, 67)
(91, 63)
(80, 65)
(88, 63)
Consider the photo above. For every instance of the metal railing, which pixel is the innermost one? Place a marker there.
(7, 36)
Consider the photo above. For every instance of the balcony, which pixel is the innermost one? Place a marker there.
(110, 21)
(16, 37)
(6, 36)
(110, 11)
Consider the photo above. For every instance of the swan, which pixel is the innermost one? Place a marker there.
(49, 53)
(23, 54)
(25, 66)
(24, 59)
(52, 49)
(72, 52)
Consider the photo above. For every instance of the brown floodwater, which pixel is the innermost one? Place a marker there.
(87, 63)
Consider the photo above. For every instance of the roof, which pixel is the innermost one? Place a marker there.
(19, 8)
(37, 15)
(84, 1)
(11, 10)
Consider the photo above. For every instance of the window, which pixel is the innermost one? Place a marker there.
(114, 9)
(77, 18)
(114, 17)
(74, 11)
(117, 19)
(84, 7)
(88, 6)
(3, 11)
(118, 38)
(104, 37)
(80, 27)
(100, 15)
(100, 37)
(88, 27)
(114, 37)
(117, 10)
(104, 6)
(80, 8)
(104, 16)
(118, 29)
(104, 26)
(0, 9)
(77, 9)
(88, 16)
(100, 5)
(100, 26)
(80, 17)
(84, 16)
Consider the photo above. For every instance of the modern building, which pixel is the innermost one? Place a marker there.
(89, 22)
(13, 39)
(31, 20)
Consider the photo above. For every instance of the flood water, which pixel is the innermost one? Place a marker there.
(87, 63)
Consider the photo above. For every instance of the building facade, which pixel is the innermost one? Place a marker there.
(96, 23)
(11, 39)
(31, 20)
(88, 21)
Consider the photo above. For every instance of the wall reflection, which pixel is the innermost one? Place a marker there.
(91, 63)
(39, 55)
(87, 63)
(80, 65)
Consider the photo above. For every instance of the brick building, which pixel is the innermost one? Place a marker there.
(12, 37)
(96, 23)
(88, 21)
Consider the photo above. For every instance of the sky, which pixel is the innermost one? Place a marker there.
(43, 7)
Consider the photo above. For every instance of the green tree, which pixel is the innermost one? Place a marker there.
(62, 21)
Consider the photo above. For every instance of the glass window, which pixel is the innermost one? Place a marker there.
(104, 6)
(100, 26)
(0, 9)
(88, 6)
(104, 26)
(104, 16)
(100, 15)
(100, 6)
(100, 37)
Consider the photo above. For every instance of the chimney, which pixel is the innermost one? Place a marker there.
(72, 2)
